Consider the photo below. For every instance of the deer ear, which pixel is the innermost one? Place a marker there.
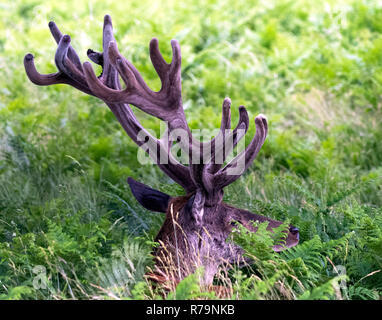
(149, 198)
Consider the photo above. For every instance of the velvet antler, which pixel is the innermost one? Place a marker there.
(71, 72)
(204, 174)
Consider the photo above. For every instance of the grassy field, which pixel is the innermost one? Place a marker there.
(69, 225)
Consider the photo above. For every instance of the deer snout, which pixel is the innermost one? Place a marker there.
(291, 240)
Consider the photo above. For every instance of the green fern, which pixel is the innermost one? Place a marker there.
(190, 288)
(119, 274)
(362, 293)
(17, 293)
(327, 291)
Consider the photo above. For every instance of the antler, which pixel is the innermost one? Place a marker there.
(237, 166)
(204, 173)
(209, 175)
(71, 72)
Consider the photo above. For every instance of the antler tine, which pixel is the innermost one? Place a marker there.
(238, 133)
(72, 54)
(108, 34)
(96, 57)
(38, 78)
(174, 73)
(64, 64)
(231, 171)
(160, 65)
(51, 78)
(121, 64)
(221, 148)
(217, 143)
(109, 73)
(56, 33)
(225, 123)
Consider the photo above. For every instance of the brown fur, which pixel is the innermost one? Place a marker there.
(174, 207)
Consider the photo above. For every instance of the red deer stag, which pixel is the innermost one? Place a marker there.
(197, 225)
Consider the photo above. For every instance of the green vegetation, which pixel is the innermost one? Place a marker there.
(313, 67)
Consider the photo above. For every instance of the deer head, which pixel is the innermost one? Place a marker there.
(198, 224)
